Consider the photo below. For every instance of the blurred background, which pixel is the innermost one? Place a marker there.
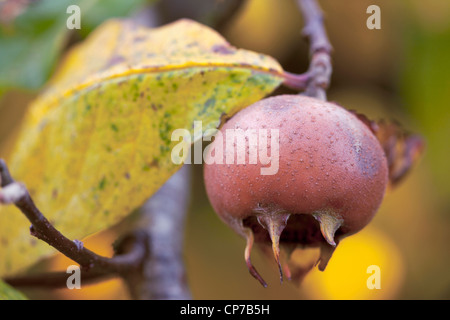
(399, 72)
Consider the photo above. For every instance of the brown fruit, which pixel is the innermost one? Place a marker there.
(331, 178)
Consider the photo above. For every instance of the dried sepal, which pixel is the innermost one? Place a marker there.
(402, 149)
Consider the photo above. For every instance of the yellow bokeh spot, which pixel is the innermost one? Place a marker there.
(109, 289)
(349, 273)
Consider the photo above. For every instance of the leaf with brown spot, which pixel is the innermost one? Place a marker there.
(98, 139)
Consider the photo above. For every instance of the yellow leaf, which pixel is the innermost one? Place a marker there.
(97, 143)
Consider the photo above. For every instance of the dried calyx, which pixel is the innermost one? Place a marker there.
(282, 230)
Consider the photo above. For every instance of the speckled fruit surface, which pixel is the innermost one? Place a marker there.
(331, 178)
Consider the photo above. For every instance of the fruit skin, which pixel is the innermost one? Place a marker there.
(331, 167)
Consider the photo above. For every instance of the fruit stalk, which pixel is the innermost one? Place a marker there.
(320, 68)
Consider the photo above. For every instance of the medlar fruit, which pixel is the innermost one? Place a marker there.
(328, 178)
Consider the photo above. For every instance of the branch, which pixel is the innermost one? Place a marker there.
(163, 275)
(150, 260)
(54, 280)
(17, 194)
(320, 68)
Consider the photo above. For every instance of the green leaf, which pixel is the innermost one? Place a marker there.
(31, 45)
(8, 293)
